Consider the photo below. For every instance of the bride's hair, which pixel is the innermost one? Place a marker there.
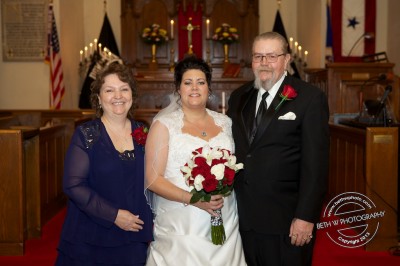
(189, 63)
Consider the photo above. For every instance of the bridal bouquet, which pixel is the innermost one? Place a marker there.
(211, 171)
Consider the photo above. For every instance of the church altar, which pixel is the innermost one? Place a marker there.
(190, 26)
(219, 31)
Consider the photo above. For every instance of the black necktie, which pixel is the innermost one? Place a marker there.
(261, 110)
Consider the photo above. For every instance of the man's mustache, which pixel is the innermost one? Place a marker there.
(264, 69)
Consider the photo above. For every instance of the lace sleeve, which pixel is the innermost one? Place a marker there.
(76, 178)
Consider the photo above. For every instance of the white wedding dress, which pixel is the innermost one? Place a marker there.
(182, 234)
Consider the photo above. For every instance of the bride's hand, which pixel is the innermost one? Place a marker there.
(216, 202)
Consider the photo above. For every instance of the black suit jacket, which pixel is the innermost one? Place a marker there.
(286, 165)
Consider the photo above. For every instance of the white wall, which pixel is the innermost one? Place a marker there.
(25, 85)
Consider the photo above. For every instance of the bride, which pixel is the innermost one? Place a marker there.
(182, 232)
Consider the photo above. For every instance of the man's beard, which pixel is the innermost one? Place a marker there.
(266, 84)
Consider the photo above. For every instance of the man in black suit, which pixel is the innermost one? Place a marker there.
(285, 151)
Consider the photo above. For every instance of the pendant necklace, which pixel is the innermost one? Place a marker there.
(202, 132)
(123, 137)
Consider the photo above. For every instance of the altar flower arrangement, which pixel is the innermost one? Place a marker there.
(154, 34)
(140, 135)
(226, 34)
(211, 171)
(288, 93)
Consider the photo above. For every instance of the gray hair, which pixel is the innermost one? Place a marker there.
(270, 36)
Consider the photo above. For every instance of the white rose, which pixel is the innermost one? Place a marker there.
(198, 182)
(218, 170)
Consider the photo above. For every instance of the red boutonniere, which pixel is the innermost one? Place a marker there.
(140, 135)
(288, 93)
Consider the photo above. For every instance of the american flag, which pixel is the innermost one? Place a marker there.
(54, 58)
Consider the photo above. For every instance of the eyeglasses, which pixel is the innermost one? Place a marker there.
(271, 58)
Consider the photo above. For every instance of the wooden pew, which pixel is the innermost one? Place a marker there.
(19, 188)
(31, 169)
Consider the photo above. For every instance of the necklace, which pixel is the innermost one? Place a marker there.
(202, 132)
(123, 136)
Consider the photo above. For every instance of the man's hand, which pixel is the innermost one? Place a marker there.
(301, 232)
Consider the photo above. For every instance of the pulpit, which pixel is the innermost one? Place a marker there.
(351, 84)
(366, 161)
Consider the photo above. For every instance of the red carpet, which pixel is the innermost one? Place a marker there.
(39, 252)
(42, 252)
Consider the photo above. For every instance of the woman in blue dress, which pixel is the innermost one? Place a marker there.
(108, 221)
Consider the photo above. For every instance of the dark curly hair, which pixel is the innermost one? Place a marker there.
(125, 74)
(189, 63)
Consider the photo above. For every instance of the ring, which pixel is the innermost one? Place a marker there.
(305, 239)
(295, 236)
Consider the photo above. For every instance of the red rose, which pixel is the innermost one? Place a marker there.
(218, 161)
(202, 167)
(140, 135)
(229, 176)
(288, 93)
(210, 184)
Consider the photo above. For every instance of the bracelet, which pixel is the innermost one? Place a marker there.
(183, 198)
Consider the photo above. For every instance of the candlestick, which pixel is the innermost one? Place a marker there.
(80, 56)
(172, 28)
(85, 52)
(305, 56)
(299, 47)
(95, 44)
(208, 28)
(90, 48)
(295, 47)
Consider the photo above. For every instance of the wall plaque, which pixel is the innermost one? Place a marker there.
(24, 29)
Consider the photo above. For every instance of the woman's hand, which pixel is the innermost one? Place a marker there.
(128, 222)
(216, 202)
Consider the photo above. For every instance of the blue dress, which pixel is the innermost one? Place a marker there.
(99, 180)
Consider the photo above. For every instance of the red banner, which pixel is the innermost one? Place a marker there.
(340, 24)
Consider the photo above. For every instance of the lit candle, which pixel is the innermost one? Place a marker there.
(299, 51)
(172, 29)
(295, 47)
(85, 51)
(305, 56)
(95, 44)
(80, 56)
(109, 55)
(223, 100)
(99, 47)
(90, 48)
(291, 43)
(208, 28)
